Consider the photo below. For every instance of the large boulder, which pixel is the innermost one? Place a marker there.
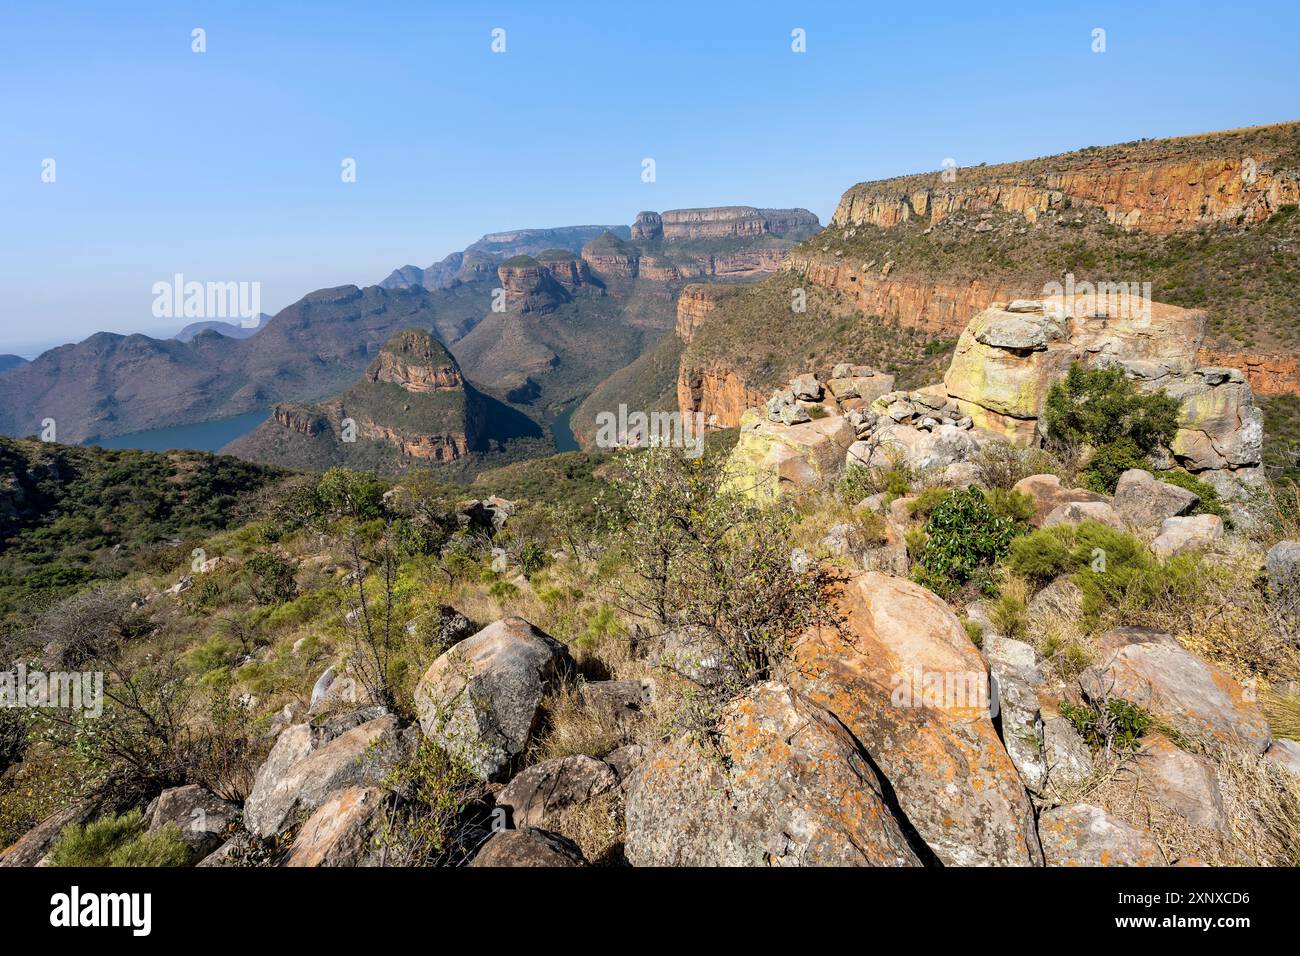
(901, 674)
(1219, 425)
(530, 847)
(1285, 754)
(305, 768)
(1181, 782)
(772, 459)
(1282, 568)
(483, 698)
(201, 816)
(1084, 835)
(787, 786)
(1153, 670)
(921, 449)
(1077, 512)
(1047, 495)
(1186, 534)
(1017, 676)
(343, 831)
(1144, 502)
(538, 795)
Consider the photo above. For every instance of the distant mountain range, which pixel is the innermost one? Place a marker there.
(10, 362)
(228, 329)
(538, 316)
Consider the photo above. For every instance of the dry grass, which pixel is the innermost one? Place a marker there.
(597, 827)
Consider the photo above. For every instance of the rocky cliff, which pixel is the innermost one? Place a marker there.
(730, 222)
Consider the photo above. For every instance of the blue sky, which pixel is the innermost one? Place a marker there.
(225, 165)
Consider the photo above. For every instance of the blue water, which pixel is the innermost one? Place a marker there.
(564, 438)
(206, 436)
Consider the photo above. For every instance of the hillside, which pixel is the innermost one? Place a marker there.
(1209, 221)
(411, 409)
(229, 329)
(10, 362)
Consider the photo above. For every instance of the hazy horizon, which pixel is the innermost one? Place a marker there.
(226, 165)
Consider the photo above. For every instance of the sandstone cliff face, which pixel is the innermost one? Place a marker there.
(1160, 187)
(529, 285)
(717, 392)
(693, 307)
(451, 446)
(299, 420)
(717, 222)
(416, 363)
(648, 226)
(1267, 374)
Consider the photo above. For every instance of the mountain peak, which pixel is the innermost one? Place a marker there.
(417, 362)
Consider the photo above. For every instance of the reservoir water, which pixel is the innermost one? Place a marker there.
(206, 436)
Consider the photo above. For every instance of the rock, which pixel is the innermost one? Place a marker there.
(531, 847)
(961, 474)
(300, 773)
(1182, 535)
(938, 448)
(539, 794)
(695, 655)
(1048, 495)
(951, 774)
(483, 698)
(340, 693)
(617, 700)
(770, 460)
(1282, 567)
(500, 561)
(1153, 670)
(1144, 502)
(319, 689)
(1068, 759)
(1181, 782)
(1286, 754)
(1219, 425)
(181, 586)
(32, 846)
(200, 816)
(1084, 835)
(1062, 598)
(806, 387)
(792, 789)
(625, 760)
(793, 415)
(342, 831)
(1077, 512)
(224, 855)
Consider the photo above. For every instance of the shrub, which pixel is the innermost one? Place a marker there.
(1116, 725)
(434, 790)
(1001, 464)
(1104, 409)
(965, 537)
(861, 482)
(119, 841)
(272, 578)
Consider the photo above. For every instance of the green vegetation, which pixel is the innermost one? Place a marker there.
(1209, 503)
(964, 538)
(119, 841)
(1118, 725)
(1102, 408)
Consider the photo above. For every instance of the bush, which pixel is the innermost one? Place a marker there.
(1104, 409)
(964, 538)
(119, 841)
(1001, 464)
(434, 790)
(1118, 725)
(272, 578)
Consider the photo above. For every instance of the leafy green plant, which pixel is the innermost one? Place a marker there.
(272, 578)
(1106, 410)
(965, 537)
(1209, 503)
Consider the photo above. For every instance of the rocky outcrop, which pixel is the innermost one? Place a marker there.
(717, 393)
(482, 699)
(200, 816)
(529, 286)
(415, 361)
(902, 676)
(536, 797)
(1267, 374)
(1084, 835)
(725, 222)
(344, 830)
(649, 226)
(530, 847)
(302, 420)
(791, 789)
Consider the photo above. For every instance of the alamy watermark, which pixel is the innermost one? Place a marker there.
(624, 429)
(54, 690)
(1119, 300)
(177, 299)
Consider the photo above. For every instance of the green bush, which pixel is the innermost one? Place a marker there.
(964, 538)
(1104, 409)
(272, 578)
(119, 841)
(1119, 726)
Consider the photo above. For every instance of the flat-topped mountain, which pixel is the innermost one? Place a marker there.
(228, 329)
(412, 407)
(1209, 221)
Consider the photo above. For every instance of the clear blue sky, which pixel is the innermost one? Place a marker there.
(225, 165)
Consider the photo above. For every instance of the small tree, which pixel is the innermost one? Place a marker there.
(1103, 408)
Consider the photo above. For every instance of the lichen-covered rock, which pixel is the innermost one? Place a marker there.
(1077, 512)
(1184, 534)
(1144, 502)
(772, 459)
(1153, 670)
(1069, 761)
(482, 699)
(304, 769)
(921, 449)
(1181, 782)
(530, 847)
(791, 789)
(1285, 754)
(936, 745)
(1219, 425)
(1048, 495)
(537, 795)
(343, 831)
(201, 816)
(1084, 835)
